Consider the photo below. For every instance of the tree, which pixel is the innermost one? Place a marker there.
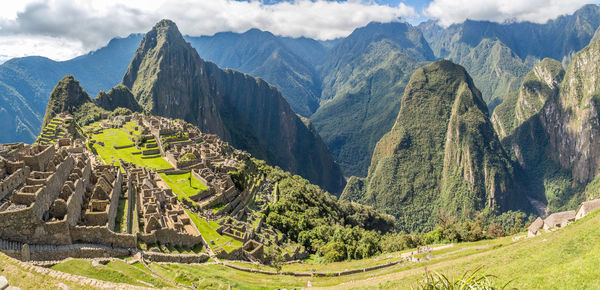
(495, 231)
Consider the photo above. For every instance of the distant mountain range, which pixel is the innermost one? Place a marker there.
(349, 88)
(306, 105)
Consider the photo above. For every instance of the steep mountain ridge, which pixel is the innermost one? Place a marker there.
(119, 96)
(524, 43)
(364, 79)
(169, 79)
(264, 55)
(442, 154)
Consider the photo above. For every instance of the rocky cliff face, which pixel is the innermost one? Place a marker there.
(168, 78)
(561, 107)
(538, 85)
(118, 97)
(67, 96)
(551, 127)
(442, 154)
(572, 119)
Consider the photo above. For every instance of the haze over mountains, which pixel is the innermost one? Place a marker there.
(416, 133)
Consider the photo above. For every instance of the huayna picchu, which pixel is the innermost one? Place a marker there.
(442, 155)
(168, 78)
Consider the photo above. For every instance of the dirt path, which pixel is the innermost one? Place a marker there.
(369, 282)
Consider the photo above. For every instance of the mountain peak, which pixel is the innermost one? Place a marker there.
(441, 154)
(165, 24)
(67, 96)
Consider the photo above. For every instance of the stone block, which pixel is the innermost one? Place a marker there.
(3, 283)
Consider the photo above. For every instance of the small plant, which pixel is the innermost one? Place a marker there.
(469, 280)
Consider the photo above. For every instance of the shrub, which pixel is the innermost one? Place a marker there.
(334, 252)
(469, 280)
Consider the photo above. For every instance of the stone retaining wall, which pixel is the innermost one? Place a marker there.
(176, 258)
(102, 235)
(170, 236)
(315, 274)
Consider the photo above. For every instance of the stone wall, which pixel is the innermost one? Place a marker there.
(196, 174)
(102, 235)
(176, 258)
(13, 181)
(40, 160)
(74, 204)
(114, 200)
(237, 254)
(53, 187)
(81, 251)
(24, 226)
(170, 236)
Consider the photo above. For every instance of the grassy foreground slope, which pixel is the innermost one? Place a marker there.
(567, 258)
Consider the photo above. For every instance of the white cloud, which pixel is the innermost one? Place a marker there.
(61, 29)
(448, 12)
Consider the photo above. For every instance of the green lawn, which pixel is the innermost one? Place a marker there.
(180, 184)
(117, 271)
(121, 219)
(220, 277)
(130, 127)
(215, 209)
(208, 231)
(117, 137)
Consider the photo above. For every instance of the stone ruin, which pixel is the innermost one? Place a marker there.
(60, 197)
(161, 213)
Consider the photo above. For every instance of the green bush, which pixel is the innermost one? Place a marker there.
(334, 251)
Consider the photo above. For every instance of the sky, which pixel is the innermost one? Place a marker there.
(63, 29)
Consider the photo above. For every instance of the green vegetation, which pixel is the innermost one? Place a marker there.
(114, 271)
(67, 96)
(188, 157)
(180, 184)
(121, 218)
(364, 79)
(442, 155)
(208, 231)
(469, 280)
(119, 97)
(117, 137)
(220, 277)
